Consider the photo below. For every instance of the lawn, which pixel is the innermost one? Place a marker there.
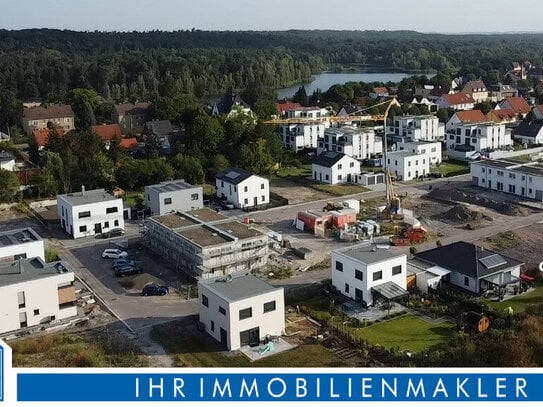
(288, 172)
(447, 168)
(407, 332)
(132, 199)
(340, 190)
(520, 302)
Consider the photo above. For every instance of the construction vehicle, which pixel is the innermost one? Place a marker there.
(415, 234)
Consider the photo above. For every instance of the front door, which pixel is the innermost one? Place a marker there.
(224, 340)
(250, 337)
(97, 228)
(256, 201)
(358, 295)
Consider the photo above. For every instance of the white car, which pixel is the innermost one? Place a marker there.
(114, 254)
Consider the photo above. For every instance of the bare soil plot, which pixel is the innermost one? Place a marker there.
(296, 193)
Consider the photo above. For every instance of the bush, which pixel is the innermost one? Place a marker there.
(413, 250)
(51, 255)
(439, 243)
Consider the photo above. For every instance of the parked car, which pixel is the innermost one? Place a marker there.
(127, 271)
(114, 254)
(227, 205)
(112, 233)
(154, 289)
(123, 261)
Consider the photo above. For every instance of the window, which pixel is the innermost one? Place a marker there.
(83, 228)
(433, 150)
(378, 275)
(326, 177)
(245, 313)
(339, 177)
(451, 137)
(167, 201)
(106, 225)
(269, 306)
(396, 270)
(245, 188)
(512, 176)
(222, 183)
(246, 201)
(351, 165)
(500, 173)
(222, 310)
(530, 190)
(21, 299)
(483, 170)
(466, 281)
(262, 186)
(116, 223)
(212, 326)
(339, 266)
(194, 197)
(346, 288)
(113, 209)
(205, 301)
(395, 162)
(36, 312)
(339, 166)
(409, 163)
(359, 275)
(263, 198)
(416, 162)
(85, 214)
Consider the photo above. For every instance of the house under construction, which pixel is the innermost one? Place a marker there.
(206, 244)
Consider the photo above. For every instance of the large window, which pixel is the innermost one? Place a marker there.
(396, 270)
(245, 313)
(205, 301)
(378, 275)
(167, 201)
(359, 275)
(194, 197)
(85, 214)
(113, 209)
(339, 266)
(269, 306)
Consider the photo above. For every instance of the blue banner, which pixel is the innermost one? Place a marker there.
(291, 387)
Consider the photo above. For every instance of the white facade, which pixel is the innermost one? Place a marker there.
(456, 103)
(356, 142)
(172, 196)
(358, 269)
(478, 137)
(252, 191)
(241, 310)
(432, 149)
(299, 136)
(88, 213)
(514, 178)
(8, 164)
(341, 172)
(423, 128)
(406, 165)
(20, 244)
(307, 113)
(34, 294)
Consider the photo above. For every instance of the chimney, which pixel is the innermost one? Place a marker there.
(82, 189)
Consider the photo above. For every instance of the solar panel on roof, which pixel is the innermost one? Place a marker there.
(494, 260)
(232, 175)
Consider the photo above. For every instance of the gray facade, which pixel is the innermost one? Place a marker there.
(173, 196)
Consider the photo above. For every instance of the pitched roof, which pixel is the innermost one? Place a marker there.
(474, 86)
(380, 90)
(454, 99)
(350, 109)
(440, 90)
(504, 114)
(107, 132)
(225, 104)
(42, 135)
(284, 105)
(328, 158)
(49, 112)
(471, 116)
(129, 143)
(467, 259)
(132, 108)
(539, 108)
(528, 129)
(518, 104)
(158, 127)
(233, 175)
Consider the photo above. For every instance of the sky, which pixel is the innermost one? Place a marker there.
(445, 16)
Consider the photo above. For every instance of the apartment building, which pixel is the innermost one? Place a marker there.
(417, 128)
(357, 142)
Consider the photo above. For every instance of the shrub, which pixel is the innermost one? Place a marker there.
(439, 243)
(413, 250)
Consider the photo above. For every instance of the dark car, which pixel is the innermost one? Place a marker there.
(154, 289)
(127, 271)
(120, 264)
(110, 233)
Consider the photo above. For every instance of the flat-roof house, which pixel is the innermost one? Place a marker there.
(88, 213)
(357, 142)
(241, 188)
(173, 196)
(368, 274)
(38, 117)
(407, 165)
(241, 310)
(333, 168)
(419, 127)
(34, 292)
(22, 243)
(205, 244)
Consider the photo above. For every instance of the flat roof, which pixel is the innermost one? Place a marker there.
(203, 236)
(169, 186)
(238, 287)
(175, 220)
(528, 168)
(18, 236)
(237, 229)
(402, 153)
(369, 254)
(87, 197)
(207, 215)
(29, 269)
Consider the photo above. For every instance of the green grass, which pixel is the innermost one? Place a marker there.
(504, 240)
(340, 190)
(522, 158)
(209, 190)
(447, 168)
(407, 332)
(293, 172)
(132, 199)
(520, 302)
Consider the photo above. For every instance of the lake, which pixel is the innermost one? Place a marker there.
(325, 80)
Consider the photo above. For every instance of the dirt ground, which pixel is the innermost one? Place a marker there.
(296, 193)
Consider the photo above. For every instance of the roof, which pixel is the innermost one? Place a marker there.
(528, 129)
(504, 114)
(233, 175)
(328, 158)
(159, 127)
(107, 132)
(237, 229)
(468, 259)
(454, 99)
(34, 268)
(369, 254)
(169, 186)
(224, 106)
(380, 90)
(403, 153)
(42, 135)
(207, 215)
(238, 287)
(87, 197)
(439, 91)
(518, 104)
(474, 86)
(471, 116)
(284, 105)
(389, 290)
(350, 109)
(18, 236)
(6, 156)
(133, 109)
(48, 112)
(130, 143)
(4, 136)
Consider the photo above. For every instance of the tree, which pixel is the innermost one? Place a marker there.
(83, 102)
(152, 146)
(206, 134)
(484, 107)
(264, 109)
(188, 168)
(115, 152)
(11, 110)
(301, 96)
(256, 157)
(9, 186)
(53, 179)
(220, 162)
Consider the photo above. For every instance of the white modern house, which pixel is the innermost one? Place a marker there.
(34, 292)
(172, 196)
(20, 244)
(368, 274)
(422, 127)
(242, 189)
(525, 180)
(357, 142)
(465, 140)
(87, 213)
(7, 161)
(242, 310)
(335, 168)
(529, 133)
(308, 113)
(432, 149)
(407, 165)
(297, 136)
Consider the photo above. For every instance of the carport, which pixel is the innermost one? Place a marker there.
(389, 291)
